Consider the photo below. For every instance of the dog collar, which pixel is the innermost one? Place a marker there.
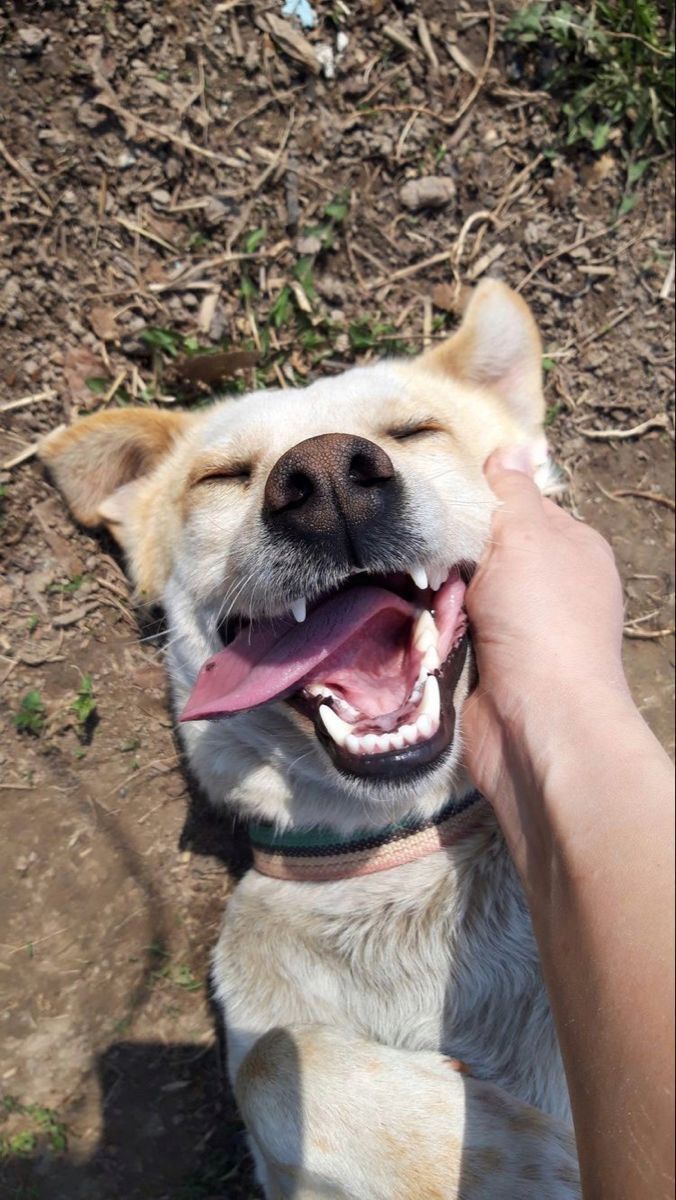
(319, 855)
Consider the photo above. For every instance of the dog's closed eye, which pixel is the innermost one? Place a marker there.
(414, 429)
(237, 472)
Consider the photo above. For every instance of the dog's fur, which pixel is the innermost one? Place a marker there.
(344, 1000)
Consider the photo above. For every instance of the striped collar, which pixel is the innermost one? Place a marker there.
(320, 855)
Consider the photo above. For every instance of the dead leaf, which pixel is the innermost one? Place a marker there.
(290, 41)
(80, 364)
(600, 170)
(445, 297)
(562, 185)
(209, 368)
(102, 321)
(71, 616)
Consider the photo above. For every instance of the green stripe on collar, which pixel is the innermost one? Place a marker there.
(304, 853)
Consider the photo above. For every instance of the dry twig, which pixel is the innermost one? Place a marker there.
(645, 634)
(25, 174)
(549, 258)
(659, 421)
(665, 290)
(25, 401)
(655, 497)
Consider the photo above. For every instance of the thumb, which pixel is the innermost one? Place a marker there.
(509, 472)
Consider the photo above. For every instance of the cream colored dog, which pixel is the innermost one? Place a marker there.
(311, 550)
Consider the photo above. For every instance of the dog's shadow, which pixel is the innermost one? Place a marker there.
(170, 1132)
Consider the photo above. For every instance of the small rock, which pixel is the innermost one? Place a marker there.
(216, 211)
(32, 39)
(161, 196)
(432, 191)
(251, 57)
(331, 288)
(24, 862)
(146, 35)
(90, 116)
(308, 245)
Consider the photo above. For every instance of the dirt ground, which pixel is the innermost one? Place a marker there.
(188, 168)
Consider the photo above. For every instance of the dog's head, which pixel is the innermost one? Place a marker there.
(312, 548)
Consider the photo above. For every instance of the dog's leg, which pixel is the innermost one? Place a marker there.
(336, 1117)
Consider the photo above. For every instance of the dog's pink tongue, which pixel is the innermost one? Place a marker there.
(268, 661)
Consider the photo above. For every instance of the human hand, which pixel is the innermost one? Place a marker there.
(546, 613)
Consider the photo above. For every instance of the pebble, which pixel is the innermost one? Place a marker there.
(32, 38)
(90, 116)
(146, 35)
(431, 191)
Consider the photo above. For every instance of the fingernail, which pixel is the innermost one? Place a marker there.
(515, 458)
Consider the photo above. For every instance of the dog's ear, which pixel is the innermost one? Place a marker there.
(100, 462)
(497, 346)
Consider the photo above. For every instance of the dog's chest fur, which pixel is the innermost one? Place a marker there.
(434, 955)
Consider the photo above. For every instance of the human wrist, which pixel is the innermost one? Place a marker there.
(586, 777)
(560, 753)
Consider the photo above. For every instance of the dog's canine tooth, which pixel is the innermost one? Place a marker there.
(336, 728)
(299, 609)
(425, 632)
(419, 576)
(431, 661)
(430, 705)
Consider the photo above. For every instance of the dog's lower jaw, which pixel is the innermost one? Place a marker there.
(266, 766)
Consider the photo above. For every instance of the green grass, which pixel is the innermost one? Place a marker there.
(38, 1124)
(613, 69)
(31, 716)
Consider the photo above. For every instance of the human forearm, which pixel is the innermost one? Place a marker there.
(604, 934)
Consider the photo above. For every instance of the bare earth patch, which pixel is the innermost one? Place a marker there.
(190, 171)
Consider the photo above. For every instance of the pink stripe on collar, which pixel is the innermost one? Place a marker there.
(354, 860)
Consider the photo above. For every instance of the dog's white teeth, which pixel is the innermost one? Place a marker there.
(438, 577)
(425, 727)
(318, 689)
(431, 661)
(336, 728)
(409, 734)
(425, 632)
(419, 577)
(299, 609)
(430, 705)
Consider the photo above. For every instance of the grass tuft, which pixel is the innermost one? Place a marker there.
(609, 63)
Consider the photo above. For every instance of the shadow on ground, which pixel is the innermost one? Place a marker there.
(137, 1154)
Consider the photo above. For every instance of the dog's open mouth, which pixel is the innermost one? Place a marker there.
(374, 664)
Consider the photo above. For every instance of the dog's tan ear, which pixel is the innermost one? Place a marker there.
(497, 346)
(98, 462)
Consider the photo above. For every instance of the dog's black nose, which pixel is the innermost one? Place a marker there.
(331, 488)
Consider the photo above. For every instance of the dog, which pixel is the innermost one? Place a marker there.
(389, 1036)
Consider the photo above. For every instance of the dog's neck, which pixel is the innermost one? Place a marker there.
(319, 854)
